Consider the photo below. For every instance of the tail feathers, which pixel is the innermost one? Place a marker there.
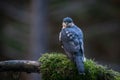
(79, 63)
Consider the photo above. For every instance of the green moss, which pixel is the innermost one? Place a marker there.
(56, 66)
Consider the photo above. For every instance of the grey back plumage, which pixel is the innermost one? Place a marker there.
(72, 42)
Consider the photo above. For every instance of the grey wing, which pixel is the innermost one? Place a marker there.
(73, 41)
(82, 49)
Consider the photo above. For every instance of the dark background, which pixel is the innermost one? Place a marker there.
(29, 28)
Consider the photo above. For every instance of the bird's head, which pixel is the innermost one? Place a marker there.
(67, 22)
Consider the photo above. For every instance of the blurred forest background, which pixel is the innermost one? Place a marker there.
(29, 28)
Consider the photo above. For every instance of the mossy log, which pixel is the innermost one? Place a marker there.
(57, 66)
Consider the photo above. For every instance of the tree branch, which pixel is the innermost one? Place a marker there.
(20, 66)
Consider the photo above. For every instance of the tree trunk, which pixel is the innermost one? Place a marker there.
(38, 31)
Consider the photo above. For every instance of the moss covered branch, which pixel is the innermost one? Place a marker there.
(59, 67)
(56, 66)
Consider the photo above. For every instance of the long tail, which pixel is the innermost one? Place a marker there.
(79, 63)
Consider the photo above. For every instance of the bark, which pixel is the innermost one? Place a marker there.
(20, 66)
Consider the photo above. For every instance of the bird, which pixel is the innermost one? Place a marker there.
(71, 39)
